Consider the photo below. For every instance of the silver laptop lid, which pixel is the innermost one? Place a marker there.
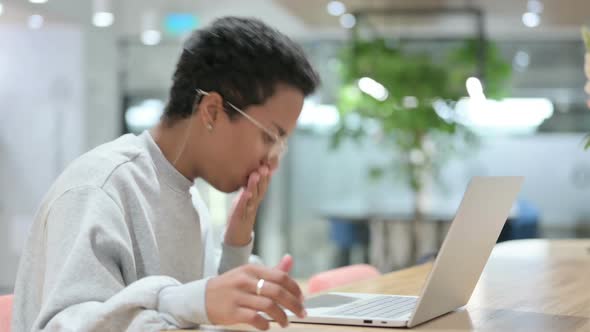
(467, 246)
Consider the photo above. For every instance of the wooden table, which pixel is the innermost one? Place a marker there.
(527, 285)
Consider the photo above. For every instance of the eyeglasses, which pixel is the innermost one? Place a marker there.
(279, 146)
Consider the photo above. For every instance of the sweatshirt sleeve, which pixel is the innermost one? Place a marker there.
(219, 257)
(232, 257)
(90, 281)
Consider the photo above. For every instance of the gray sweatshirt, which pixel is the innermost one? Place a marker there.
(119, 244)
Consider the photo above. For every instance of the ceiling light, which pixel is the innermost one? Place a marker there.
(347, 21)
(151, 37)
(103, 14)
(335, 8)
(151, 34)
(35, 21)
(103, 19)
(521, 60)
(531, 20)
(373, 88)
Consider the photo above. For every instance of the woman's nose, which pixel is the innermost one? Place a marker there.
(273, 163)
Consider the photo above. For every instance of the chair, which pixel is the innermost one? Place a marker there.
(5, 312)
(340, 276)
(524, 225)
(346, 233)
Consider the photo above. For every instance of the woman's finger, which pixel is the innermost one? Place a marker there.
(266, 305)
(286, 264)
(251, 317)
(253, 201)
(278, 286)
(253, 185)
(241, 205)
(263, 184)
(279, 294)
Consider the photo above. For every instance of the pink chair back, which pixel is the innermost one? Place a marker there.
(5, 312)
(340, 276)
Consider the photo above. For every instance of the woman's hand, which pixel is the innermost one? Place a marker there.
(231, 297)
(243, 215)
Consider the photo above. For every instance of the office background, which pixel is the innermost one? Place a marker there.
(70, 81)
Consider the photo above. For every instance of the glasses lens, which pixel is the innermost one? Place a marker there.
(277, 150)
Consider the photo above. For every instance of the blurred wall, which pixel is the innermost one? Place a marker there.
(555, 166)
(102, 104)
(41, 126)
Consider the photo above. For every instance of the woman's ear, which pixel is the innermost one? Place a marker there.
(209, 109)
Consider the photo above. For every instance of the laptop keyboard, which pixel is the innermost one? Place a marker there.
(378, 307)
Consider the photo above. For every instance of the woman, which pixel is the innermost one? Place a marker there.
(117, 244)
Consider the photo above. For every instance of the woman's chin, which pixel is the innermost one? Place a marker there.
(228, 187)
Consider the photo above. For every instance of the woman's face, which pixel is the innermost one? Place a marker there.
(238, 147)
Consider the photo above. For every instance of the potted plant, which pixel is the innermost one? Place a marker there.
(406, 98)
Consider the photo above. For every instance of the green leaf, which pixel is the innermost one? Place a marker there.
(586, 37)
(376, 173)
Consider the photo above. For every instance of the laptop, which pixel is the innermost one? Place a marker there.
(467, 246)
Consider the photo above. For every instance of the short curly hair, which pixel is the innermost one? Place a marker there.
(243, 60)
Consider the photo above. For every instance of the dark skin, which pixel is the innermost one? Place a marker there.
(233, 154)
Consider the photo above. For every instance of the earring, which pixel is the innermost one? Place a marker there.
(209, 127)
